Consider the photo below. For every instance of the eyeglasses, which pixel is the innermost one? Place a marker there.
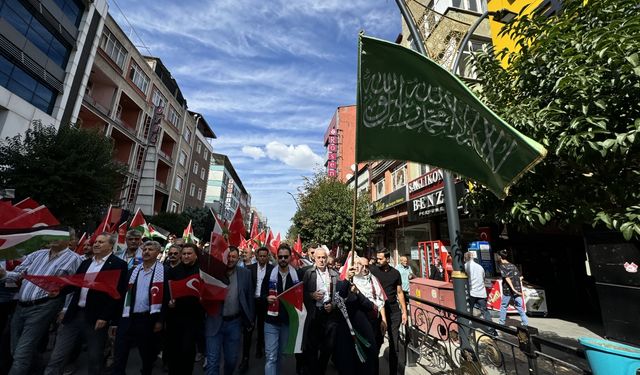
(283, 257)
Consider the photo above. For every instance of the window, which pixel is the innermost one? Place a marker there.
(187, 135)
(178, 184)
(379, 189)
(157, 98)
(398, 177)
(206, 154)
(73, 9)
(466, 68)
(182, 159)
(174, 117)
(22, 19)
(174, 207)
(137, 76)
(110, 45)
(424, 169)
(199, 193)
(198, 147)
(472, 5)
(25, 86)
(202, 173)
(192, 190)
(195, 167)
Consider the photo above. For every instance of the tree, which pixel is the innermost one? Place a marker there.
(70, 170)
(201, 220)
(575, 87)
(172, 222)
(325, 213)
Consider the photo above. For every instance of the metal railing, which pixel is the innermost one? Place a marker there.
(433, 342)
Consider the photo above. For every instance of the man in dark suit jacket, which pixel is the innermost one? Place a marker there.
(319, 287)
(260, 272)
(90, 312)
(223, 331)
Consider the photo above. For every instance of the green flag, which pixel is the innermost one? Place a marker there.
(410, 108)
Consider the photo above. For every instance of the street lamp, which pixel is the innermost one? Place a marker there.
(294, 199)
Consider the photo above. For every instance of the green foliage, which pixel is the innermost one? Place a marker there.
(71, 171)
(174, 223)
(325, 213)
(201, 221)
(575, 87)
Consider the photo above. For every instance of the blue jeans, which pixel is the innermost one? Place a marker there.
(28, 326)
(227, 340)
(275, 339)
(517, 302)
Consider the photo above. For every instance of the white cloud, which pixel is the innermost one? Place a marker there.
(254, 152)
(300, 156)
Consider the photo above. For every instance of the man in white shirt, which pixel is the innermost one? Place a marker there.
(132, 255)
(319, 287)
(477, 290)
(36, 307)
(260, 272)
(90, 312)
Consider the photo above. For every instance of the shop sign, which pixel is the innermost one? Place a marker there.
(426, 183)
(390, 200)
(430, 204)
(332, 147)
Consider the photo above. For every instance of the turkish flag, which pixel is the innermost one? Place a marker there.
(237, 230)
(103, 281)
(189, 287)
(37, 217)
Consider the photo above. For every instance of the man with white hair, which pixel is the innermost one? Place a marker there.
(319, 287)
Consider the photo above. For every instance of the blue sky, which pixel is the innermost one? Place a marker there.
(267, 75)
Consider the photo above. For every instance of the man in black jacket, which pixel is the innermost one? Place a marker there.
(319, 286)
(260, 272)
(90, 312)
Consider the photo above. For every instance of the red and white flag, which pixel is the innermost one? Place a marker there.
(104, 225)
(103, 281)
(237, 230)
(37, 217)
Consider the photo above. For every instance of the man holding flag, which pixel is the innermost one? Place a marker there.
(142, 315)
(90, 311)
(36, 307)
(279, 335)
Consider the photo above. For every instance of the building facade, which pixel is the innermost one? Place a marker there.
(133, 99)
(225, 191)
(339, 141)
(47, 48)
(198, 173)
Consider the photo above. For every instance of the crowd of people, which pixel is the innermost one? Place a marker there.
(369, 302)
(349, 311)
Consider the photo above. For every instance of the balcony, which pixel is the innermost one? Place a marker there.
(100, 92)
(123, 146)
(128, 114)
(89, 120)
(166, 147)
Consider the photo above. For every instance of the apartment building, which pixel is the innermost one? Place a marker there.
(134, 100)
(198, 173)
(225, 191)
(339, 141)
(47, 49)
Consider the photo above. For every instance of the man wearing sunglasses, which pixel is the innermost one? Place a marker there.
(173, 257)
(276, 326)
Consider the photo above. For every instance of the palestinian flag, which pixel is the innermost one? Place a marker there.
(122, 238)
(16, 245)
(155, 234)
(292, 300)
(187, 234)
(140, 224)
